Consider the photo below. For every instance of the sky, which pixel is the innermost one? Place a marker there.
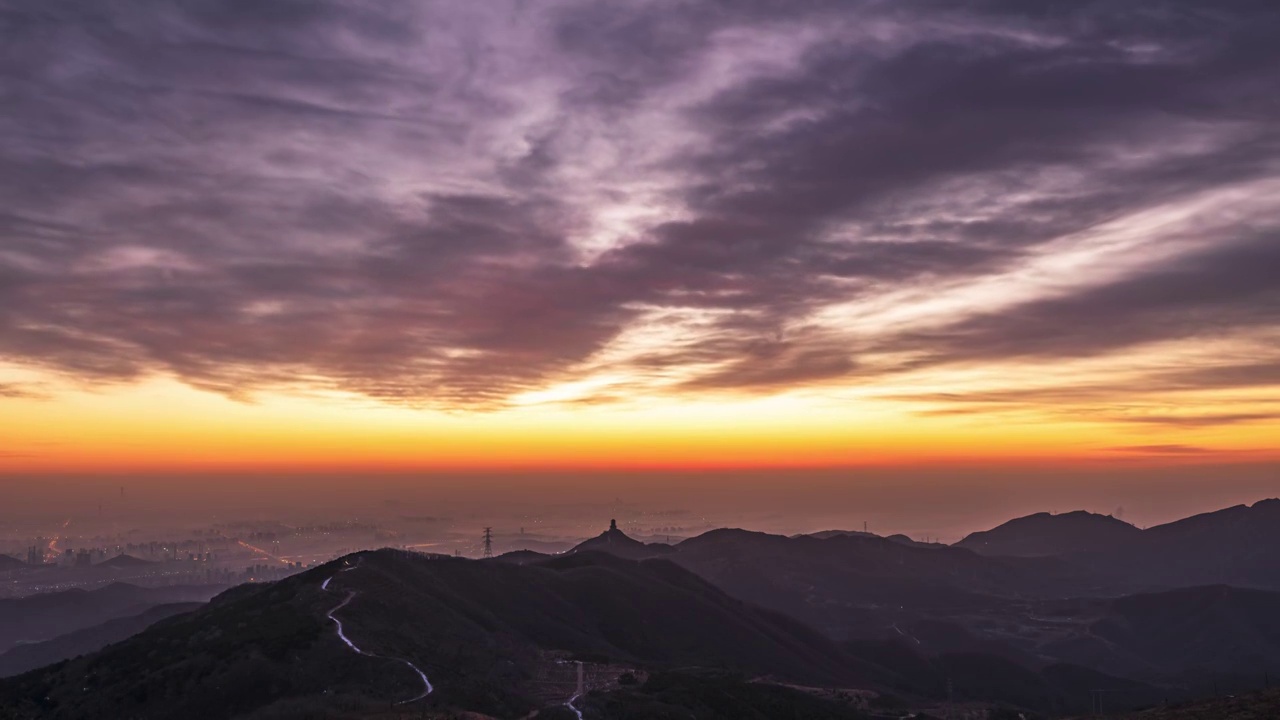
(510, 236)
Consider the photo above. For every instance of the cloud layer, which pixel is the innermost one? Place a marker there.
(453, 204)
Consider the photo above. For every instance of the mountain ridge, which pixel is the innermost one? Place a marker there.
(482, 631)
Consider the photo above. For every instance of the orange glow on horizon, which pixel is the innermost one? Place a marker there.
(163, 425)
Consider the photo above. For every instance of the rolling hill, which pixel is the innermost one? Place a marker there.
(1234, 546)
(854, 586)
(484, 632)
(1046, 534)
(22, 658)
(1251, 706)
(1183, 635)
(37, 618)
(1033, 611)
(500, 638)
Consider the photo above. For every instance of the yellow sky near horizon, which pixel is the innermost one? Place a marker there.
(160, 424)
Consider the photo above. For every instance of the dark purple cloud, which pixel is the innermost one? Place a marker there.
(1206, 294)
(449, 204)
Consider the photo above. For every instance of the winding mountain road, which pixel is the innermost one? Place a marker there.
(571, 706)
(427, 688)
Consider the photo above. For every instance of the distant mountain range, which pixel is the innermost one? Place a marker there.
(1037, 615)
(1235, 546)
(998, 592)
(9, 562)
(484, 632)
(1042, 556)
(494, 638)
(37, 618)
(1038, 590)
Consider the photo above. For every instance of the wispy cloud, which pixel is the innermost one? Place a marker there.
(20, 391)
(1195, 421)
(454, 204)
(1161, 449)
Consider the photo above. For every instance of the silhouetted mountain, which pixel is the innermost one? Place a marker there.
(952, 600)
(9, 562)
(485, 632)
(22, 658)
(42, 617)
(124, 561)
(898, 538)
(703, 620)
(1046, 534)
(824, 534)
(1235, 546)
(523, 557)
(947, 600)
(616, 542)
(904, 540)
(852, 586)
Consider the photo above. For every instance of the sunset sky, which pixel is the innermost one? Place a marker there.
(479, 235)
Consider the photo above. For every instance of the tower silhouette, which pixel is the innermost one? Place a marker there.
(488, 542)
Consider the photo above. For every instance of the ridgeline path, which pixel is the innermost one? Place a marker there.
(427, 688)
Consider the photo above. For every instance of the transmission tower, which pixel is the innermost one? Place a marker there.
(488, 542)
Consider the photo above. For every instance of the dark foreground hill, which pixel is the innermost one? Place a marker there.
(487, 635)
(503, 639)
(1052, 689)
(1204, 634)
(1251, 706)
(713, 696)
(9, 562)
